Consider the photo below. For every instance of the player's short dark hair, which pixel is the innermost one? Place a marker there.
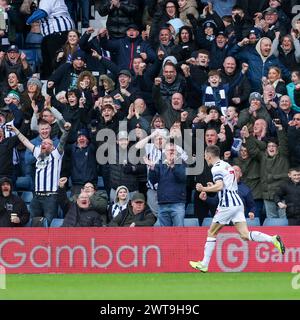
(294, 169)
(213, 150)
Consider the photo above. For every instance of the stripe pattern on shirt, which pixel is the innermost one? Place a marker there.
(47, 171)
(228, 197)
(56, 24)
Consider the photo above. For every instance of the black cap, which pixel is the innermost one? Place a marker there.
(132, 26)
(5, 179)
(79, 54)
(13, 48)
(83, 132)
(222, 33)
(256, 32)
(214, 108)
(126, 72)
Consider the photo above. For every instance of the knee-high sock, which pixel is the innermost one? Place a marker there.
(259, 237)
(208, 250)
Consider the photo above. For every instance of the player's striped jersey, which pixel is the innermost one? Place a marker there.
(228, 196)
(58, 18)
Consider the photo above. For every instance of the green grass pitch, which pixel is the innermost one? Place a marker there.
(163, 286)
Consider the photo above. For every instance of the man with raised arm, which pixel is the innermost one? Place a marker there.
(47, 173)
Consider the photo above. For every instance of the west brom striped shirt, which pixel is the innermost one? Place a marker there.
(58, 19)
(228, 197)
(47, 171)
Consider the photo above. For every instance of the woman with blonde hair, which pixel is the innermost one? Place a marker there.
(274, 78)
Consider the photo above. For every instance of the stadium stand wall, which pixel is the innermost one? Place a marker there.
(126, 250)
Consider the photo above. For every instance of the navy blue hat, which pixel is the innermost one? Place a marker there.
(13, 48)
(132, 26)
(256, 32)
(209, 24)
(222, 33)
(79, 54)
(83, 132)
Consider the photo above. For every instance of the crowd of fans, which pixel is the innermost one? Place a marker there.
(158, 72)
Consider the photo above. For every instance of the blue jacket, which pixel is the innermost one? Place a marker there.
(171, 183)
(126, 49)
(83, 164)
(257, 66)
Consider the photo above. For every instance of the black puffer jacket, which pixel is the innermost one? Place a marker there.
(118, 18)
(125, 174)
(78, 217)
(168, 89)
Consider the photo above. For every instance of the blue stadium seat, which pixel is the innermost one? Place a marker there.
(56, 223)
(193, 195)
(189, 211)
(253, 222)
(191, 222)
(206, 222)
(27, 196)
(156, 224)
(69, 194)
(60, 213)
(24, 183)
(275, 222)
(33, 56)
(100, 183)
(28, 224)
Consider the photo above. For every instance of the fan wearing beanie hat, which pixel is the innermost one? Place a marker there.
(79, 55)
(35, 81)
(13, 94)
(209, 27)
(83, 138)
(255, 96)
(256, 110)
(83, 132)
